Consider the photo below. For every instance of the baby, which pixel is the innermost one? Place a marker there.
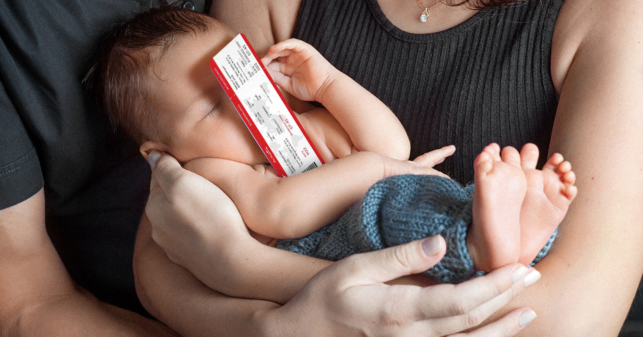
(154, 81)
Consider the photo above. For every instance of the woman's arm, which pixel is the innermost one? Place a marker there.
(268, 274)
(174, 296)
(595, 266)
(349, 298)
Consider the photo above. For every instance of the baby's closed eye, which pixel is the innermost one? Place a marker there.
(216, 107)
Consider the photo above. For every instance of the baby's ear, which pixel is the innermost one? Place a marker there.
(149, 146)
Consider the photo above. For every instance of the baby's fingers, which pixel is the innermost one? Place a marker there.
(435, 157)
(272, 55)
(433, 172)
(284, 49)
(278, 77)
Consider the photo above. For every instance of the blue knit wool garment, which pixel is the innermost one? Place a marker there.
(398, 210)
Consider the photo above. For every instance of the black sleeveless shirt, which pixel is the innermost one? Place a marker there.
(485, 80)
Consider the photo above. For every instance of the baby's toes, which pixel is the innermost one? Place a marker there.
(482, 156)
(529, 156)
(569, 178)
(570, 192)
(511, 156)
(553, 162)
(493, 150)
(563, 168)
(483, 166)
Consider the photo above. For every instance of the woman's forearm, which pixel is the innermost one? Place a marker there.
(345, 299)
(177, 298)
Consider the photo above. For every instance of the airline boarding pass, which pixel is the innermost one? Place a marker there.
(263, 109)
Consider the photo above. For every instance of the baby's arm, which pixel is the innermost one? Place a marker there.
(302, 71)
(296, 206)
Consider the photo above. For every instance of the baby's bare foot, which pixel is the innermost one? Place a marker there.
(494, 237)
(550, 191)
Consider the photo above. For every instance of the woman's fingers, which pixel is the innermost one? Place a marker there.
(394, 262)
(166, 170)
(507, 326)
(352, 295)
(471, 310)
(187, 212)
(468, 304)
(471, 294)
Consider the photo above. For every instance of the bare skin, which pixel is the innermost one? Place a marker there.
(210, 136)
(329, 305)
(596, 62)
(284, 208)
(516, 207)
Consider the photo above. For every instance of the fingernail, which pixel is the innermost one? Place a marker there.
(519, 273)
(152, 158)
(531, 278)
(432, 245)
(526, 318)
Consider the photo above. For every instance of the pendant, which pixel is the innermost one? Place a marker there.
(425, 15)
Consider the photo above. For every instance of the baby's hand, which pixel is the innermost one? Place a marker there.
(299, 69)
(420, 165)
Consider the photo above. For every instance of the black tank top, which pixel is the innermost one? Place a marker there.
(485, 80)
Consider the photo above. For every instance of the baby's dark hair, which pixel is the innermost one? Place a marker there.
(118, 78)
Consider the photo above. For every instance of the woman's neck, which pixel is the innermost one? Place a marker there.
(405, 15)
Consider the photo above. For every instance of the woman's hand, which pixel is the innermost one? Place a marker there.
(347, 298)
(183, 207)
(351, 298)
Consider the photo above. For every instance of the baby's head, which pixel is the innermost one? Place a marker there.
(152, 78)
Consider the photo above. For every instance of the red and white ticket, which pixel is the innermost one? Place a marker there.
(263, 109)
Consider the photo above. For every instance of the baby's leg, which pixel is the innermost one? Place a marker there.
(550, 191)
(494, 237)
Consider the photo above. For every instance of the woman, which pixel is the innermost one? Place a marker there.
(592, 57)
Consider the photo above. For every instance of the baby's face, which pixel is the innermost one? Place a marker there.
(194, 116)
